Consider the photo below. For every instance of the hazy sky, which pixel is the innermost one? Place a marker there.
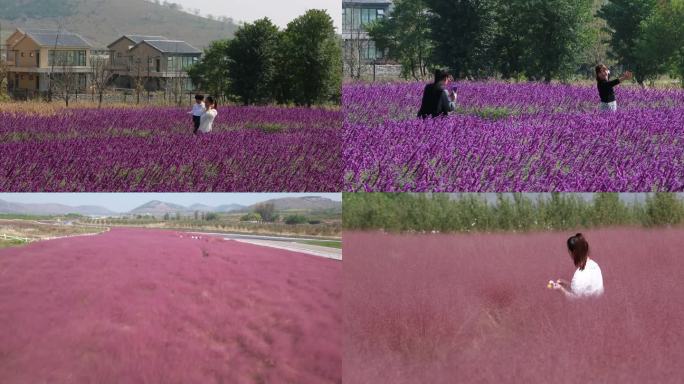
(124, 202)
(279, 11)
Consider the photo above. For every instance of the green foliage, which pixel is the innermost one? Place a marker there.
(543, 39)
(310, 60)
(470, 212)
(38, 9)
(406, 37)
(463, 31)
(211, 73)
(624, 18)
(252, 62)
(660, 47)
(267, 212)
(251, 217)
(663, 209)
(296, 219)
(261, 65)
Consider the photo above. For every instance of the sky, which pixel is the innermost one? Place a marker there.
(279, 11)
(124, 202)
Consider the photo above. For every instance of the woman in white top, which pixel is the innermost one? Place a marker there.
(207, 119)
(587, 280)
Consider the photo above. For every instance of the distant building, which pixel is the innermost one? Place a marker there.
(156, 59)
(32, 54)
(355, 15)
(359, 50)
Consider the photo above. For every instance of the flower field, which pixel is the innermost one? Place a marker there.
(475, 309)
(255, 149)
(513, 137)
(146, 306)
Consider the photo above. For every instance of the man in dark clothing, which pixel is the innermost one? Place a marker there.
(437, 100)
(605, 87)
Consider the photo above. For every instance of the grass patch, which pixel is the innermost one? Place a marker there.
(11, 243)
(267, 127)
(323, 243)
(488, 113)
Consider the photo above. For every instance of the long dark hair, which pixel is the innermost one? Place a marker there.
(599, 68)
(210, 100)
(579, 249)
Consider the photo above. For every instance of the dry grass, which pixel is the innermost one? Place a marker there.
(38, 230)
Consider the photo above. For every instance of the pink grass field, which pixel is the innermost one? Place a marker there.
(141, 306)
(475, 309)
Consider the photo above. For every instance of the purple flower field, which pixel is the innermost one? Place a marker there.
(251, 149)
(513, 137)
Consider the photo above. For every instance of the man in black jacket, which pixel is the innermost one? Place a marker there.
(437, 99)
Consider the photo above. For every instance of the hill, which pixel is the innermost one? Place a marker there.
(51, 209)
(103, 21)
(309, 203)
(159, 208)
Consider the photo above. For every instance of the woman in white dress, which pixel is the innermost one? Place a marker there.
(587, 280)
(207, 119)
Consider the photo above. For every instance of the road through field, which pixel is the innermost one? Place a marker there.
(134, 306)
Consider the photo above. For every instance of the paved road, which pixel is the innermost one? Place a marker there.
(315, 250)
(236, 236)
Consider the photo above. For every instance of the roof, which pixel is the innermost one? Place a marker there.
(138, 38)
(51, 38)
(172, 46)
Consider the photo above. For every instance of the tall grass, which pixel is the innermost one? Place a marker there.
(474, 309)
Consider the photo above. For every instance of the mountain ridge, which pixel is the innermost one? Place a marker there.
(160, 208)
(103, 21)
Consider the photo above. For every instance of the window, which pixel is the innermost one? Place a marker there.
(31, 77)
(355, 18)
(23, 54)
(180, 63)
(67, 58)
(32, 54)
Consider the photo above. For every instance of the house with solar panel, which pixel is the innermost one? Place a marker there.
(157, 59)
(34, 54)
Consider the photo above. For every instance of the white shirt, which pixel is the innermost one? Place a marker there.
(207, 121)
(198, 109)
(588, 282)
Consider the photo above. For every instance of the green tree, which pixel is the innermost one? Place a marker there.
(252, 62)
(406, 37)
(624, 18)
(311, 60)
(210, 74)
(463, 31)
(295, 219)
(253, 216)
(609, 210)
(266, 211)
(545, 39)
(660, 48)
(167, 217)
(663, 209)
